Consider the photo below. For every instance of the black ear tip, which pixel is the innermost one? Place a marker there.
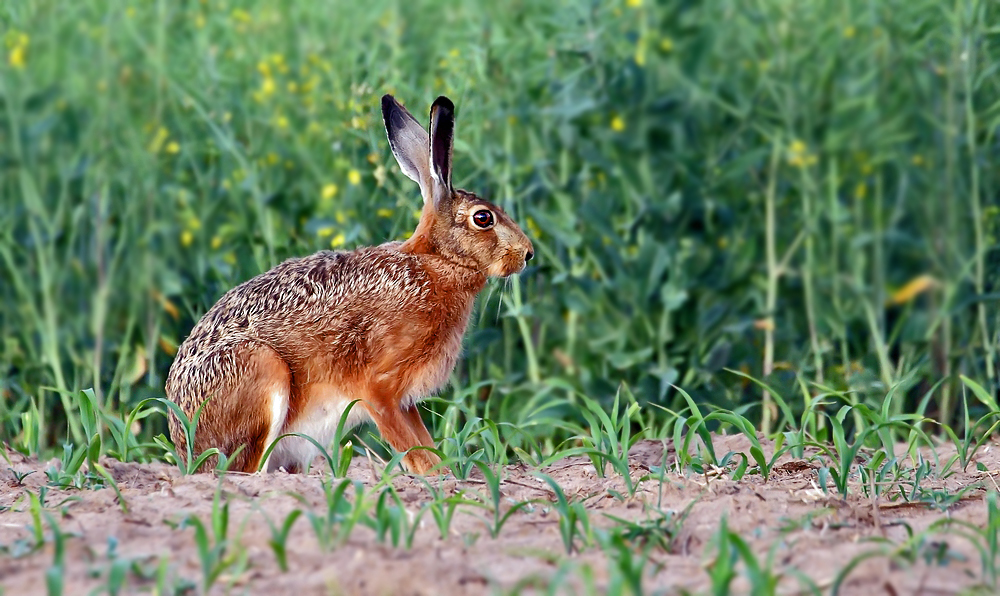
(388, 102)
(443, 102)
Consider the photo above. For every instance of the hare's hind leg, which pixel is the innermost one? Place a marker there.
(249, 401)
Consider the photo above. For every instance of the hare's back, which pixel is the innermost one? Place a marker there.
(322, 289)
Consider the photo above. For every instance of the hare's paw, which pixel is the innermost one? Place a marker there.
(422, 461)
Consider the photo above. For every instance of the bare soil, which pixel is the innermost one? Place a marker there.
(808, 532)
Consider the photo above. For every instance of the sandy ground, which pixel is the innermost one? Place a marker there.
(804, 530)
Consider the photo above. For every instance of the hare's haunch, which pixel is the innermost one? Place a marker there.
(288, 350)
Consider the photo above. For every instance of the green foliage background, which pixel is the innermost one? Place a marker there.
(804, 191)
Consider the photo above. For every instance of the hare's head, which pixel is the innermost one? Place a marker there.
(456, 224)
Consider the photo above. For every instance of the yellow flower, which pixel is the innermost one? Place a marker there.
(186, 238)
(17, 56)
(329, 191)
(18, 44)
(272, 158)
(849, 31)
(278, 61)
(267, 86)
(172, 147)
(454, 53)
(633, 3)
(281, 121)
(241, 16)
(338, 240)
(383, 212)
(325, 232)
(293, 86)
(799, 156)
(666, 44)
(158, 140)
(918, 160)
(860, 191)
(617, 124)
(640, 54)
(216, 242)
(354, 177)
(229, 257)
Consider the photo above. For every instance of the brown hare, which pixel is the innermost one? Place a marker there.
(288, 350)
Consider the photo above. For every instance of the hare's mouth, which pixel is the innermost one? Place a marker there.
(510, 264)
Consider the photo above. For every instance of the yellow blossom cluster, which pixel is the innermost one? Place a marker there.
(161, 141)
(17, 49)
(799, 155)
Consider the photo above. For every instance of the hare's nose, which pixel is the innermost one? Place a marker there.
(528, 255)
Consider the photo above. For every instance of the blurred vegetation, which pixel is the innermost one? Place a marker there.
(802, 191)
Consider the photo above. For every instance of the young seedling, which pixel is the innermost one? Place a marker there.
(121, 432)
(626, 567)
(657, 531)
(216, 551)
(334, 526)
(279, 537)
(390, 517)
(573, 519)
(54, 575)
(20, 476)
(499, 518)
(442, 507)
(189, 464)
(731, 549)
(611, 434)
(974, 438)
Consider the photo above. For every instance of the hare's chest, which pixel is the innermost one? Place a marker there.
(436, 366)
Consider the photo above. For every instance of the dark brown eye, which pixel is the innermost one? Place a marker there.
(483, 218)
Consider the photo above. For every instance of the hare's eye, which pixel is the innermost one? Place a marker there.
(483, 218)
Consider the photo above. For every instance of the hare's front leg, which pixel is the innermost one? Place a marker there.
(403, 429)
(420, 461)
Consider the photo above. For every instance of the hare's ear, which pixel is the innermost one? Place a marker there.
(409, 144)
(442, 128)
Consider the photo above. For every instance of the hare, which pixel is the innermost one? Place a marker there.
(288, 350)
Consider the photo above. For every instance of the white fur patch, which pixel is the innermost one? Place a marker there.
(279, 409)
(319, 421)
